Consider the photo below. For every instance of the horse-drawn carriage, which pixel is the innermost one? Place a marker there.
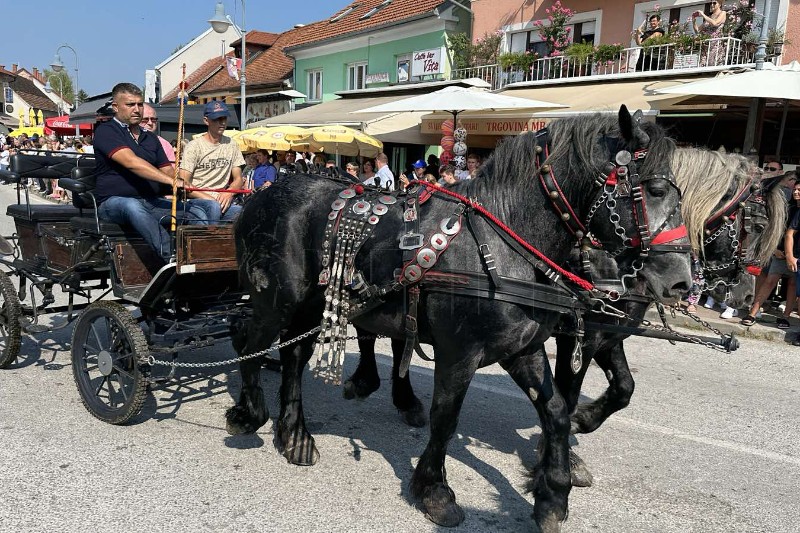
(104, 270)
(301, 262)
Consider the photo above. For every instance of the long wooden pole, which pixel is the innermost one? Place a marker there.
(181, 102)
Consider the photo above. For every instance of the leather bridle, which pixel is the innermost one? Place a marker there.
(618, 179)
(735, 218)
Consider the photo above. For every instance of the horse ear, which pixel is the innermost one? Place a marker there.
(638, 116)
(625, 123)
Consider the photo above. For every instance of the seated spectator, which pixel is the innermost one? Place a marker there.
(265, 172)
(130, 175)
(214, 161)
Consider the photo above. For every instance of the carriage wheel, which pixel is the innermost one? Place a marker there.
(108, 348)
(10, 329)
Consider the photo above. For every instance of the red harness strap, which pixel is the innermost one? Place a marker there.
(482, 210)
(207, 189)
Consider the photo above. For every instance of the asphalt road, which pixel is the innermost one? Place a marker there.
(710, 442)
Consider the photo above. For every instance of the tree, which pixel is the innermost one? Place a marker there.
(56, 85)
(82, 97)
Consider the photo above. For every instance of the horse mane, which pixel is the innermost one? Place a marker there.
(705, 176)
(577, 150)
(766, 244)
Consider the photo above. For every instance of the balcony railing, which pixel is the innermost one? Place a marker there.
(717, 52)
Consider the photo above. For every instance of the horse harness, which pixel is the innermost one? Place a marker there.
(735, 219)
(358, 209)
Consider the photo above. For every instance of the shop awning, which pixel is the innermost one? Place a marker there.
(388, 127)
(607, 96)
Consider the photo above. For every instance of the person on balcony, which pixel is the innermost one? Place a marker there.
(711, 23)
(648, 60)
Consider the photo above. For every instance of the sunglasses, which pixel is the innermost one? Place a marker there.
(149, 119)
(772, 168)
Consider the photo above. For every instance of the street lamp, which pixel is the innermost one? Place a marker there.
(58, 66)
(220, 23)
(49, 88)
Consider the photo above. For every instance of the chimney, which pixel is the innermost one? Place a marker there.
(36, 73)
(13, 67)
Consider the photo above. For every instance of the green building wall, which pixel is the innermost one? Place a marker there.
(379, 58)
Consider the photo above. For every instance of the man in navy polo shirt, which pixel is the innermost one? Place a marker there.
(132, 172)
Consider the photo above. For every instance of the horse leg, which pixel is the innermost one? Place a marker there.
(250, 412)
(429, 482)
(365, 380)
(590, 416)
(411, 410)
(550, 482)
(569, 384)
(292, 439)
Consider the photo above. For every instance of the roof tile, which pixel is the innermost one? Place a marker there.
(272, 66)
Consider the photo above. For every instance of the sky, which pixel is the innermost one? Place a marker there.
(117, 40)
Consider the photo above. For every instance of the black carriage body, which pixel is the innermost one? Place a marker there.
(192, 302)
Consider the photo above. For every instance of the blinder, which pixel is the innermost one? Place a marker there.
(735, 217)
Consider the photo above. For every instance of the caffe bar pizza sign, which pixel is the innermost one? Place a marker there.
(426, 62)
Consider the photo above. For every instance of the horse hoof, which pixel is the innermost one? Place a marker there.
(579, 473)
(440, 506)
(239, 421)
(302, 452)
(414, 417)
(358, 388)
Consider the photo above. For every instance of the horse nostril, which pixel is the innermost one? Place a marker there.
(681, 286)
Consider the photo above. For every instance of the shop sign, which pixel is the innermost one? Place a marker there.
(489, 126)
(425, 62)
(378, 77)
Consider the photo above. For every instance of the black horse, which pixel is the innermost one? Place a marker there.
(733, 220)
(281, 241)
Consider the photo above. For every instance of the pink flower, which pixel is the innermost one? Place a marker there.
(657, 7)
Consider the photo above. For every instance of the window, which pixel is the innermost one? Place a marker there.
(344, 13)
(356, 76)
(404, 68)
(314, 85)
(374, 10)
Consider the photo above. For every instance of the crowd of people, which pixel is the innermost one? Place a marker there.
(49, 144)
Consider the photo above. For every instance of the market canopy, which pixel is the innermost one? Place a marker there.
(458, 100)
(63, 126)
(776, 82)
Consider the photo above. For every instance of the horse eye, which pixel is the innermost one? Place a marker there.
(759, 228)
(657, 190)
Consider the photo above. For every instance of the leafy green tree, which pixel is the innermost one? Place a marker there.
(82, 97)
(63, 81)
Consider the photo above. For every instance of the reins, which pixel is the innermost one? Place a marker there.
(584, 284)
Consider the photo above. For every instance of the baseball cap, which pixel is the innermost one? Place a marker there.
(215, 110)
(419, 163)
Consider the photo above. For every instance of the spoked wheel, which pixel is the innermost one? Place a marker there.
(108, 348)
(10, 329)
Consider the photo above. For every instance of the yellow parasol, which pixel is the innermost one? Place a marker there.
(21, 119)
(32, 117)
(280, 138)
(39, 117)
(335, 139)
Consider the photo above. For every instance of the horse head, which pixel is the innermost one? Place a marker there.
(636, 215)
(733, 219)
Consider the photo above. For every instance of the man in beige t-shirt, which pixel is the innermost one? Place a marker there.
(213, 161)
